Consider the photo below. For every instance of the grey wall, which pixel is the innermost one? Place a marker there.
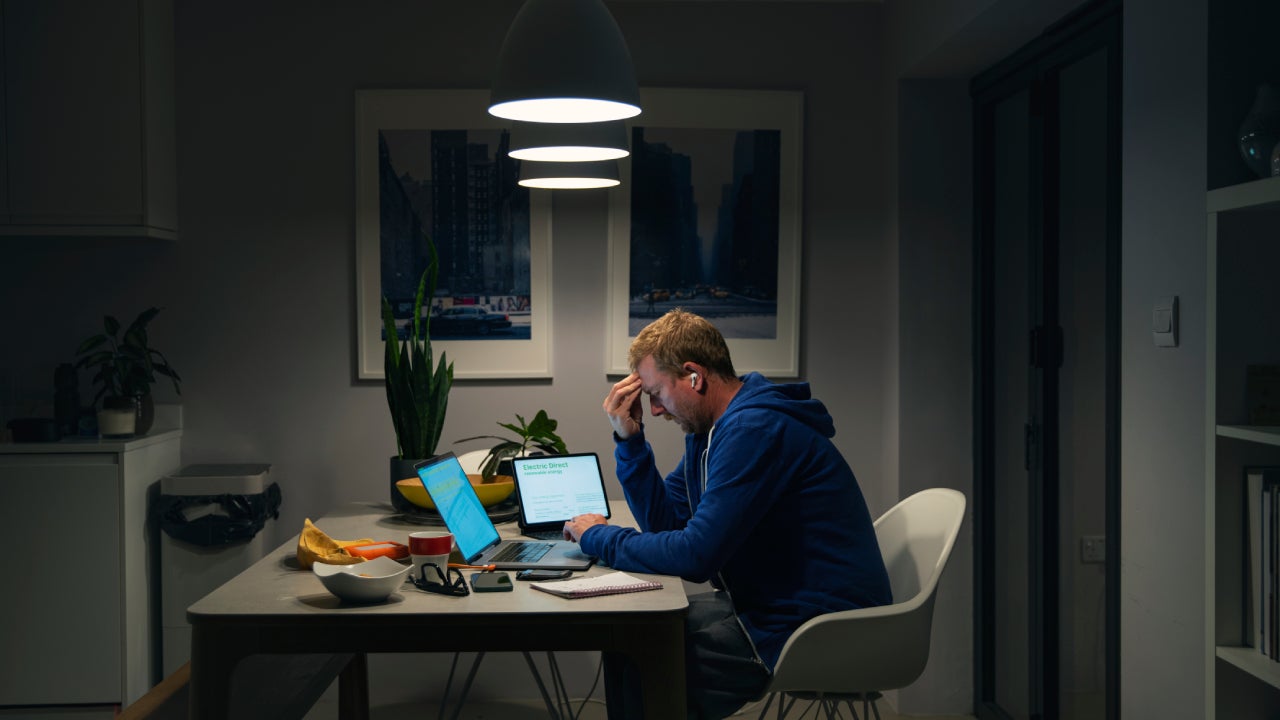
(935, 438)
(1162, 460)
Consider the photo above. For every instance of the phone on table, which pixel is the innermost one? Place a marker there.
(538, 574)
(491, 582)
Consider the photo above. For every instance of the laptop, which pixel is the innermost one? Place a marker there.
(554, 488)
(477, 539)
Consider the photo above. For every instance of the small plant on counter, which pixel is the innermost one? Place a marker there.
(127, 366)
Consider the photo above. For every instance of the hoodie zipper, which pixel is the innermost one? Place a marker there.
(755, 653)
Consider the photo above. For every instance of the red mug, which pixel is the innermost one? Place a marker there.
(430, 546)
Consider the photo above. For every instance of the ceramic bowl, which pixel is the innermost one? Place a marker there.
(369, 581)
(490, 493)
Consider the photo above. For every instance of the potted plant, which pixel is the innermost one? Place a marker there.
(540, 434)
(417, 396)
(126, 367)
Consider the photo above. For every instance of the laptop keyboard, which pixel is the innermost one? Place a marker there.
(546, 534)
(521, 552)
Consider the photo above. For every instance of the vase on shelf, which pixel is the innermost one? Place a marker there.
(1260, 131)
(118, 418)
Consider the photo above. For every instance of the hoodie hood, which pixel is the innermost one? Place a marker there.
(792, 399)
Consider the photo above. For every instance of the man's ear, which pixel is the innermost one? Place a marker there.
(695, 373)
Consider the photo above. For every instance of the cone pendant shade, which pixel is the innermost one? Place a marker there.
(569, 175)
(564, 61)
(569, 142)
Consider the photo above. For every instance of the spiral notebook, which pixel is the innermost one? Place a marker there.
(613, 583)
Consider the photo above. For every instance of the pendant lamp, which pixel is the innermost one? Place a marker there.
(564, 61)
(568, 142)
(569, 175)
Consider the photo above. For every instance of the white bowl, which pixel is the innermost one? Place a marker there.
(369, 581)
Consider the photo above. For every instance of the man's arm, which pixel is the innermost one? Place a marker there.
(747, 474)
(653, 504)
(656, 505)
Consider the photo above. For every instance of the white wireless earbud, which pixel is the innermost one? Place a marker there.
(693, 380)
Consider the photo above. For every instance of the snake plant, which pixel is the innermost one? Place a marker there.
(416, 396)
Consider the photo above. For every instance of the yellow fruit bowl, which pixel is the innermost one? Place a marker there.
(490, 493)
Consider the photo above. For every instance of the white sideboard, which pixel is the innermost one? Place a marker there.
(78, 607)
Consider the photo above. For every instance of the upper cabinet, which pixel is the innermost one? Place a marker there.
(87, 138)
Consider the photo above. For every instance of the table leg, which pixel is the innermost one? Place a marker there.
(214, 654)
(353, 689)
(658, 652)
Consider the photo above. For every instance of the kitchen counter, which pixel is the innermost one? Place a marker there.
(91, 444)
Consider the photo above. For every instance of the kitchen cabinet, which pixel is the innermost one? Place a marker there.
(1243, 329)
(78, 611)
(87, 137)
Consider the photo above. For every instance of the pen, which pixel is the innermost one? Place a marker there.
(463, 566)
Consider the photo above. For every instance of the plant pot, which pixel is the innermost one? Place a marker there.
(401, 468)
(118, 417)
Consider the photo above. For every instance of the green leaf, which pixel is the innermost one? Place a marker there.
(140, 323)
(542, 425)
(517, 429)
(90, 344)
(111, 325)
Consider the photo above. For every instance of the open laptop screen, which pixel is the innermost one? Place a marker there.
(456, 500)
(554, 488)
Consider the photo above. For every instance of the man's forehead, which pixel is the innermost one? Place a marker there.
(650, 378)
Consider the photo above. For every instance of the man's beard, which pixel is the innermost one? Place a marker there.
(688, 426)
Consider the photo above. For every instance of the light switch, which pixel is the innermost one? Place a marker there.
(1164, 322)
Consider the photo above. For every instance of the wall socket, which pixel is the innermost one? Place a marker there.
(1093, 548)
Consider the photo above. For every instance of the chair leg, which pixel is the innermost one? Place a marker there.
(874, 708)
(768, 701)
(784, 705)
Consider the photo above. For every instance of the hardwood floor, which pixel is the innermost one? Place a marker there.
(593, 710)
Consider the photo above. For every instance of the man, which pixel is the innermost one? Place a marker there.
(762, 505)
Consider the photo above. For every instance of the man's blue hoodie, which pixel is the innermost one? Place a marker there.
(763, 506)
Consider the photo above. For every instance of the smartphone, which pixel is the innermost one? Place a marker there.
(534, 574)
(491, 582)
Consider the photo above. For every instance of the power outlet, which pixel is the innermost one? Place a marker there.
(1093, 549)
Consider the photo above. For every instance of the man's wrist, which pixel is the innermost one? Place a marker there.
(630, 438)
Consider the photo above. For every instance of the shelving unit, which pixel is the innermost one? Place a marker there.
(1242, 328)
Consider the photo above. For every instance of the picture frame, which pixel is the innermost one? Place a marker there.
(734, 153)
(408, 122)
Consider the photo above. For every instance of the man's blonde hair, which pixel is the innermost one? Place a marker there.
(679, 337)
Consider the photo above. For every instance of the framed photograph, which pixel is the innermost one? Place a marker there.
(707, 218)
(433, 164)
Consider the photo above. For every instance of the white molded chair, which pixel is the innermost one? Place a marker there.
(857, 654)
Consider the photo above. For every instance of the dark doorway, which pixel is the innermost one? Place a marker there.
(1047, 224)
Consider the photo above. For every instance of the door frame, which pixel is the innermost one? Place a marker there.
(1097, 25)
